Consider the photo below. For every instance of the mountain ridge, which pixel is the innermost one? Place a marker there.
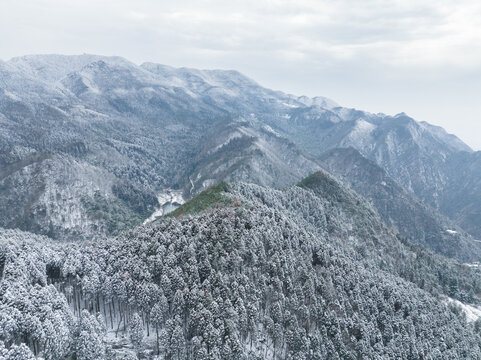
(146, 125)
(398, 207)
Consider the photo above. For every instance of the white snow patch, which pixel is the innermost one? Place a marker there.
(290, 105)
(208, 183)
(271, 130)
(192, 185)
(12, 95)
(169, 200)
(473, 265)
(452, 232)
(120, 91)
(361, 131)
(473, 313)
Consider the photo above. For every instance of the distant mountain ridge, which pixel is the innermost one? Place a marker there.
(152, 127)
(142, 127)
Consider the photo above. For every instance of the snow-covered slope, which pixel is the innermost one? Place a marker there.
(247, 151)
(307, 272)
(398, 207)
(141, 129)
(150, 126)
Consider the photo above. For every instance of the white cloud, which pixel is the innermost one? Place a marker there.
(346, 49)
(413, 33)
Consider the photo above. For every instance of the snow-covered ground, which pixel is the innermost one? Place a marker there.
(169, 200)
(474, 265)
(290, 105)
(473, 313)
(361, 132)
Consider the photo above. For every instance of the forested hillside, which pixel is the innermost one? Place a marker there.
(87, 143)
(251, 266)
(240, 272)
(418, 222)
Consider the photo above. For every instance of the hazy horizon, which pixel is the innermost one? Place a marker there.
(421, 59)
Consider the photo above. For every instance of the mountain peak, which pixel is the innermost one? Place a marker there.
(326, 186)
(450, 139)
(53, 67)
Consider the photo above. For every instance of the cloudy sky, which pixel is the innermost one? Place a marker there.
(422, 57)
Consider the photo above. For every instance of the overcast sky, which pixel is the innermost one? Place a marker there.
(422, 57)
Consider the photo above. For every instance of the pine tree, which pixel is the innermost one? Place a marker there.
(136, 331)
(89, 334)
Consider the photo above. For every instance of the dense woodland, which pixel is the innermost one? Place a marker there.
(309, 272)
(89, 147)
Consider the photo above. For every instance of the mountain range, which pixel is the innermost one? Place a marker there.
(151, 127)
(306, 226)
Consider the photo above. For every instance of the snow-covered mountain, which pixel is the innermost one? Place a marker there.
(273, 264)
(398, 207)
(245, 150)
(421, 157)
(154, 127)
(140, 129)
